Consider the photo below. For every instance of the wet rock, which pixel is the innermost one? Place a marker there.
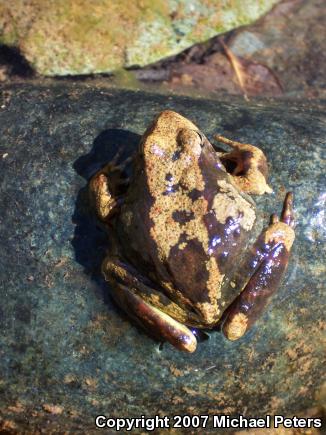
(67, 353)
(79, 37)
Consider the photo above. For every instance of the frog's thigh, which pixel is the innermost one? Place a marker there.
(126, 291)
(271, 253)
(248, 166)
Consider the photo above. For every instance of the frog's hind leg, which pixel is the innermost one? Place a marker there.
(136, 297)
(269, 261)
(247, 165)
(106, 188)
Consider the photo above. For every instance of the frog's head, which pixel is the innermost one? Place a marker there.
(168, 136)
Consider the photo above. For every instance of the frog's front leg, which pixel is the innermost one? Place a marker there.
(105, 189)
(136, 296)
(247, 165)
(269, 261)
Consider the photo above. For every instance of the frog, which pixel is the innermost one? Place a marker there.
(180, 228)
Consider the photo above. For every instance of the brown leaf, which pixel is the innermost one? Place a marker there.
(253, 78)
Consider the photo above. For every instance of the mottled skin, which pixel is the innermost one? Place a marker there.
(179, 232)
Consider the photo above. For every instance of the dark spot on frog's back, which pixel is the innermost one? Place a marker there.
(171, 189)
(176, 155)
(185, 266)
(194, 194)
(226, 241)
(183, 216)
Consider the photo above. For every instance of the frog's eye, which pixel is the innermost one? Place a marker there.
(190, 140)
(203, 138)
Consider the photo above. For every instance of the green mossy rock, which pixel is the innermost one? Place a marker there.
(81, 37)
(67, 353)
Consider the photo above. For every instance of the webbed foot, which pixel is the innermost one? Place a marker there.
(247, 165)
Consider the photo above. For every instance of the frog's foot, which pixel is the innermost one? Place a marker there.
(135, 296)
(269, 261)
(106, 188)
(247, 165)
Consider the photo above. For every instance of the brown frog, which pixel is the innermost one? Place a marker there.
(179, 234)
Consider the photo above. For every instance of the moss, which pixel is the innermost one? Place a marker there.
(76, 37)
(8, 29)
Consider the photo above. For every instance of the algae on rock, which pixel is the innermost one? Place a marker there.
(79, 37)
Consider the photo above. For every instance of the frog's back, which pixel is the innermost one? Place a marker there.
(190, 218)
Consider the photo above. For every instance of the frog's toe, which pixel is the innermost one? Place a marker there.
(287, 215)
(154, 321)
(271, 256)
(247, 165)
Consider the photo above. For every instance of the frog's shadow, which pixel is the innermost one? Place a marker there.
(89, 241)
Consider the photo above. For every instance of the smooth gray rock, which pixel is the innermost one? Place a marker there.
(67, 353)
